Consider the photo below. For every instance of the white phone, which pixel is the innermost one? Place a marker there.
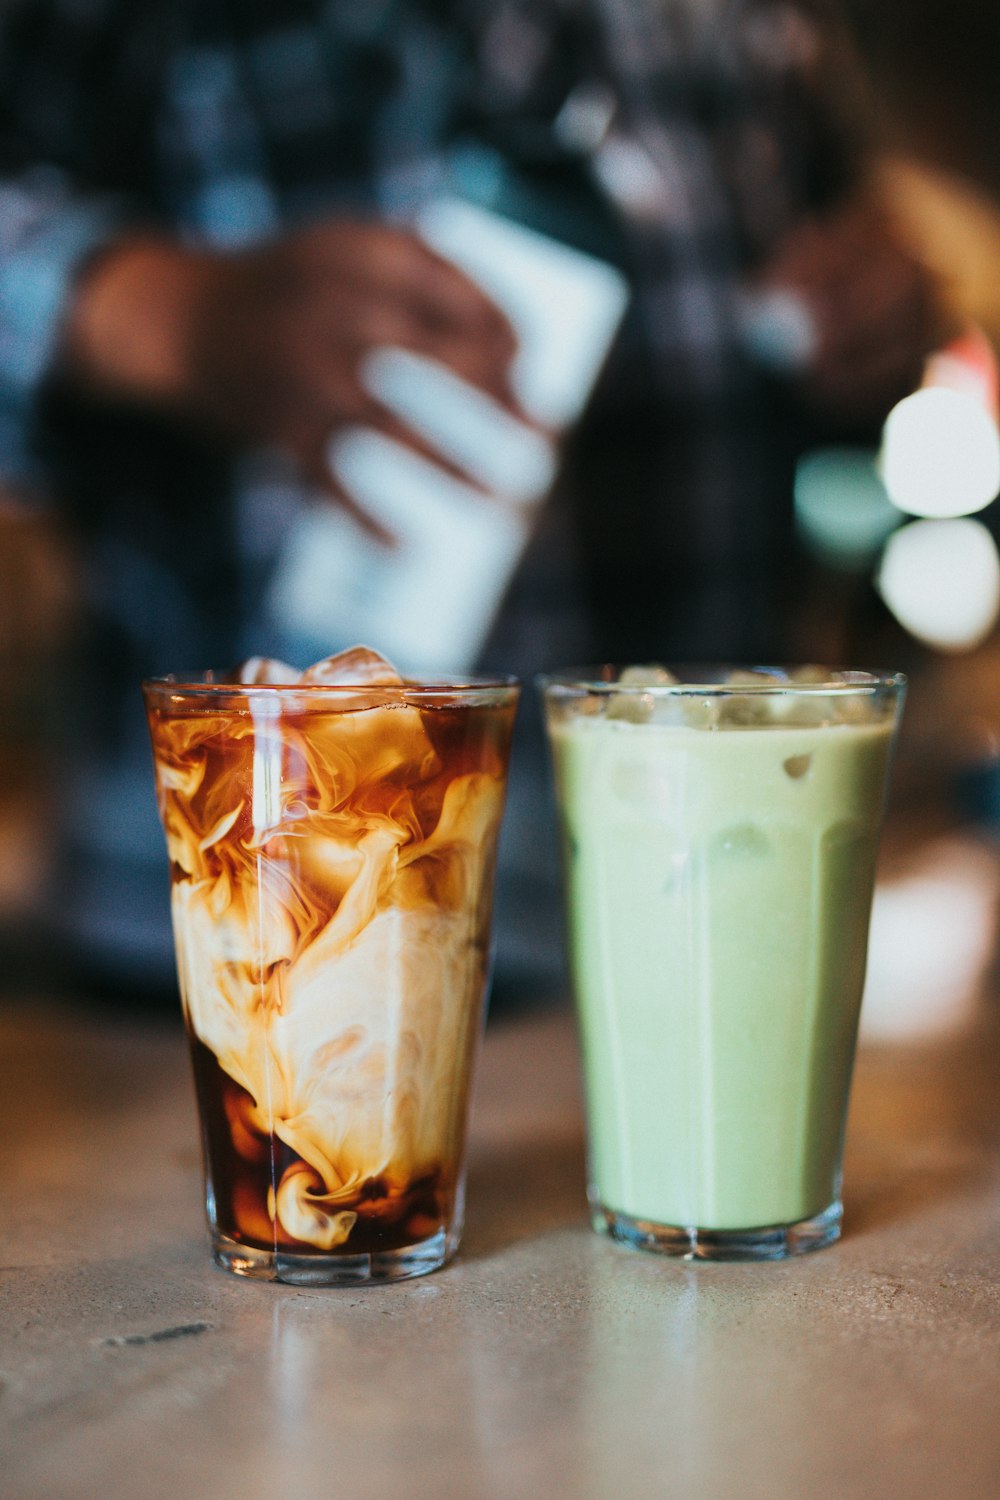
(429, 601)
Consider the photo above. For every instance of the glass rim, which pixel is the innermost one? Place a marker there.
(195, 687)
(704, 681)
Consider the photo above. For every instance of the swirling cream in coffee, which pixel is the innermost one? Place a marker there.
(332, 859)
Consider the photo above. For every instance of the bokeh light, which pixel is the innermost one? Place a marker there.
(941, 580)
(940, 454)
(842, 511)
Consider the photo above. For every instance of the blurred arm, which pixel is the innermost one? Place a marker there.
(873, 308)
(267, 346)
(261, 346)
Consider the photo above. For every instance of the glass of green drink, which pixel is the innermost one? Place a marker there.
(720, 834)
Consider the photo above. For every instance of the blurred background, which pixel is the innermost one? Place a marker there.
(931, 613)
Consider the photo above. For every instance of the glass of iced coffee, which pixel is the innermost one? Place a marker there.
(332, 840)
(720, 837)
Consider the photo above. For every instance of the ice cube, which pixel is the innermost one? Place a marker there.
(639, 708)
(750, 676)
(635, 708)
(745, 710)
(258, 671)
(854, 709)
(359, 666)
(701, 713)
(651, 675)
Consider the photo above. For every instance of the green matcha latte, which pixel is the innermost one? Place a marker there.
(720, 845)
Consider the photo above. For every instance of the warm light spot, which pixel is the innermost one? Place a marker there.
(940, 454)
(932, 941)
(941, 579)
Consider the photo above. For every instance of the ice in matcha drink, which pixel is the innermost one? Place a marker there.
(720, 843)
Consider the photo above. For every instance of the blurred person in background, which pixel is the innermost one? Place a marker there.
(203, 230)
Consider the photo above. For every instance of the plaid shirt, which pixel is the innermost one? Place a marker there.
(225, 122)
(681, 137)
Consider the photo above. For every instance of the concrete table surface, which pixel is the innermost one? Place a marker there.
(544, 1362)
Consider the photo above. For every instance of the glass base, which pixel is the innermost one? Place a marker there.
(772, 1242)
(333, 1270)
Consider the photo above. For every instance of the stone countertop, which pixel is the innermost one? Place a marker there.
(544, 1362)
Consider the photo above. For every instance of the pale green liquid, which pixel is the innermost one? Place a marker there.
(719, 895)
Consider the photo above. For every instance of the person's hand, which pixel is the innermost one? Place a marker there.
(874, 311)
(265, 347)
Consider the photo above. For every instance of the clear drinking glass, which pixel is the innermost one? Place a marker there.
(332, 854)
(720, 838)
